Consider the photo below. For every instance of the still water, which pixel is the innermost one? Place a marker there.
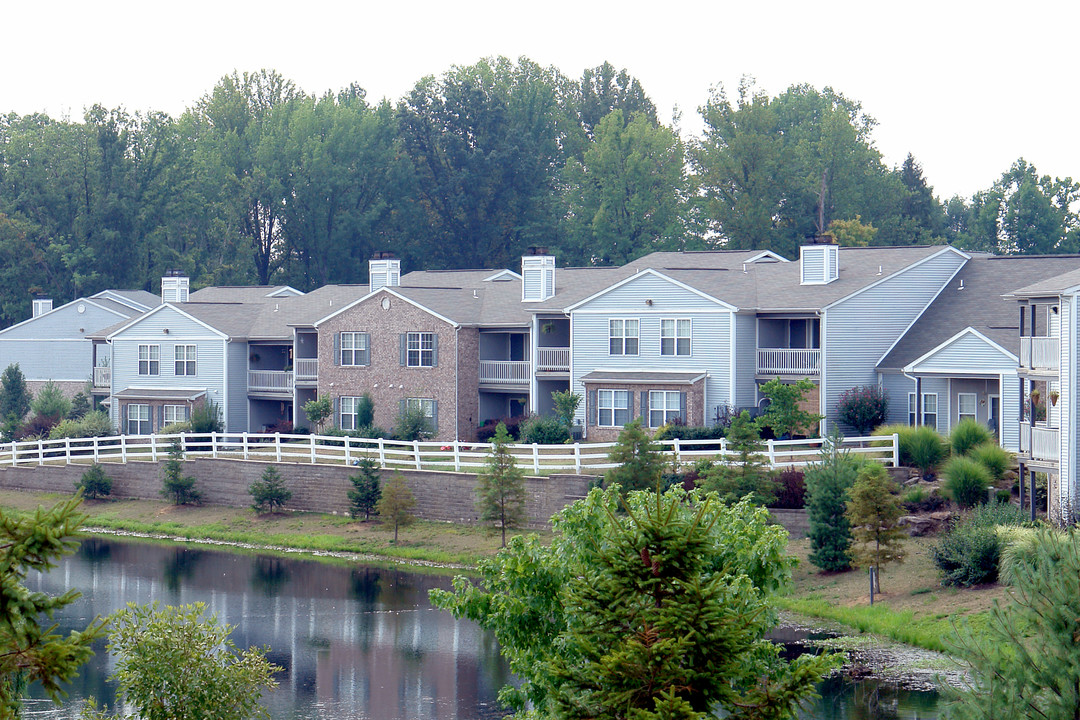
(354, 642)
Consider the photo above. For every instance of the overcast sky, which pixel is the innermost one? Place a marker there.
(967, 87)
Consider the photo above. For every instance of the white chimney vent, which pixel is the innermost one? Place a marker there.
(42, 305)
(819, 263)
(384, 270)
(537, 275)
(174, 287)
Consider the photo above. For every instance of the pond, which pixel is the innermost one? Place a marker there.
(355, 642)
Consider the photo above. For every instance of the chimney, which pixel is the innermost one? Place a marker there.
(42, 304)
(819, 261)
(174, 287)
(538, 274)
(384, 270)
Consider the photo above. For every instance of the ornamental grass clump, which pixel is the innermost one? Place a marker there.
(996, 459)
(967, 435)
(966, 481)
(927, 450)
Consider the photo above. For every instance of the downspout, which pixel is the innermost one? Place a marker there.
(823, 426)
(918, 397)
(457, 382)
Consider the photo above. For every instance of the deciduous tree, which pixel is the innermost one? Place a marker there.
(396, 503)
(874, 511)
(500, 486)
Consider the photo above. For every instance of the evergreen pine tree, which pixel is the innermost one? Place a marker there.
(365, 492)
(269, 491)
(501, 486)
(749, 474)
(14, 400)
(177, 486)
(827, 484)
(873, 512)
(639, 459)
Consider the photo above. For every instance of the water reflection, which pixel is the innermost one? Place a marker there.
(353, 642)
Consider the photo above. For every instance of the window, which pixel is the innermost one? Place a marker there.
(347, 411)
(674, 337)
(149, 359)
(929, 409)
(425, 406)
(420, 350)
(623, 337)
(966, 405)
(138, 420)
(664, 406)
(613, 408)
(175, 413)
(354, 349)
(184, 357)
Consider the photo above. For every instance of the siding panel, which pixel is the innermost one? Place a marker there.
(666, 297)
(968, 354)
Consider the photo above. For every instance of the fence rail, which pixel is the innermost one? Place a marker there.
(417, 455)
(784, 361)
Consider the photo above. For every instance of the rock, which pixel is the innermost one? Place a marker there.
(917, 526)
(942, 516)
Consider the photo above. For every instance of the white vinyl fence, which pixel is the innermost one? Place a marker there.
(419, 455)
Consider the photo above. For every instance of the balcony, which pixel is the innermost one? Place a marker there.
(788, 361)
(1039, 443)
(102, 378)
(553, 359)
(270, 381)
(1040, 352)
(505, 372)
(307, 369)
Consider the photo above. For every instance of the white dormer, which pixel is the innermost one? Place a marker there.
(174, 287)
(384, 270)
(537, 275)
(820, 263)
(42, 305)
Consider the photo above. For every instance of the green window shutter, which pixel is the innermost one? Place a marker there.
(434, 417)
(434, 350)
(337, 348)
(594, 409)
(403, 346)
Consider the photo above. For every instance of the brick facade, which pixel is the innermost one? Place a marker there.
(452, 383)
(695, 406)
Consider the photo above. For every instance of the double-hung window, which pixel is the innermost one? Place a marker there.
(149, 359)
(623, 337)
(675, 337)
(175, 414)
(664, 407)
(424, 406)
(420, 349)
(929, 409)
(138, 419)
(613, 408)
(348, 418)
(354, 349)
(184, 359)
(967, 406)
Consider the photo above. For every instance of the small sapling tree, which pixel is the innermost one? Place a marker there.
(748, 475)
(94, 483)
(828, 482)
(318, 410)
(365, 493)
(269, 492)
(396, 504)
(784, 416)
(501, 486)
(176, 486)
(640, 462)
(873, 512)
(566, 405)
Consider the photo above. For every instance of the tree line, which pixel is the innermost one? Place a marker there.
(261, 182)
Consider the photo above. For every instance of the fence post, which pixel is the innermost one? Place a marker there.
(416, 452)
(577, 458)
(244, 444)
(772, 453)
(896, 449)
(536, 458)
(457, 455)
(382, 454)
(723, 449)
(40, 452)
(213, 444)
(67, 450)
(312, 440)
(123, 448)
(678, 453)
(277, 446)
(153, 447)
(95, 448)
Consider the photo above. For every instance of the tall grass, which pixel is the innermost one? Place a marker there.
(902, 626)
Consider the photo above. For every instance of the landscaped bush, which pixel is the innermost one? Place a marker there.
(206, 418)
(970, 553)
(175, 428)
(544, 430)
(905, 434)
(919, 499)
(993, 457)
(927, 450)
(1020, 549)
(487, 430)
(689, 432)
(968, 434)
(94, 483)
(92, 424)
(790, 490)
(966, 481)
(863, 408)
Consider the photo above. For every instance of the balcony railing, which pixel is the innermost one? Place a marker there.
(307, 369)
(505, 371)
(1040, 443)
(553, 359)
(1040, 352)
(103, 377)
(275, 381)
(788, 361)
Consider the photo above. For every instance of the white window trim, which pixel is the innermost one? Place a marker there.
(355, 337)
(912, 409)
(624, 336)
(611, 407)
(172, 409)
(689, 337)
(190, 356)
(153, 357)
(144, 408)
(665, 411)
(347, 412)
(419, 349)
(975, 406)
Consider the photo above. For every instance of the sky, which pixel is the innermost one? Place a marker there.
(967, 87)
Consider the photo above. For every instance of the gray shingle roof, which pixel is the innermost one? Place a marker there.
(1050, 285)
(236, 293)
(980, 305)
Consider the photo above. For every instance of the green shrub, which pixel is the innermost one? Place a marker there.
(206, 417)
(412, 424)
(927, 450)
(919, 499)
(970, 552)
(904, 433)
(690, 432)
(968, 434)
(269, 492)
(544, 430)
(966, 481)
(94, 483)
(993, 457)
(365, 411)
(863, 408)
(92, 424)
(175, 428)
(51, 402)
(1020, 548)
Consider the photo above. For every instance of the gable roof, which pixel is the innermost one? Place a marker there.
(242, 293)
(979, 305)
